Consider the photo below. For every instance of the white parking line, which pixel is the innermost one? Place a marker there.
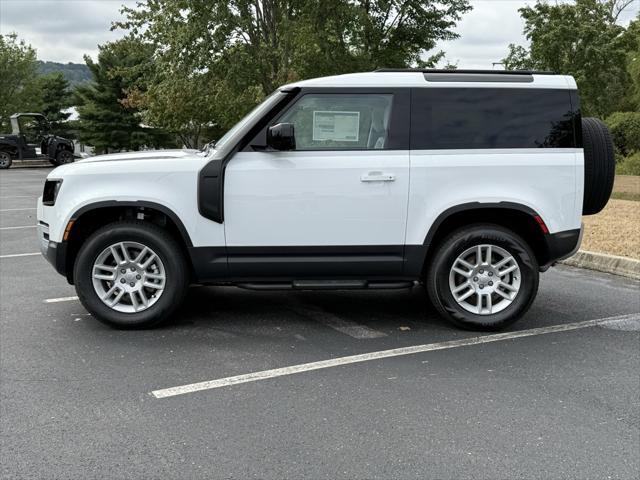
(18, 196)
(16, 209)
(20, 255)
(61, 299)
(396, 352)
(17, 228)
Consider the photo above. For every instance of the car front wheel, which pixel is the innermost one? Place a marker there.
(483, 277)
(5, 160)
(131, 275)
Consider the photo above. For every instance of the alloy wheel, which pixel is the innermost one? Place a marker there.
(128, 277)
(484, 279)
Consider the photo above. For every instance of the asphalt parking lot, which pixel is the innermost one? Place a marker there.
(79, 400)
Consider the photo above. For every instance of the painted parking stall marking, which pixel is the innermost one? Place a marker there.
(18, 228)
(14, 255)
(61, 299)
(348, 327)
(396, 352)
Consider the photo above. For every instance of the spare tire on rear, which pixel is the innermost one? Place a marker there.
(599, 165)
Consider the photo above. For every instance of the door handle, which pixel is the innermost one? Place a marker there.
(377, 177)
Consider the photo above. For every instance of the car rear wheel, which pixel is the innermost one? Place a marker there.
(482, 277)
(62, 157)
(5, 160)
(131, 275)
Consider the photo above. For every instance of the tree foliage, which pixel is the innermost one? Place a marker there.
(229, 54)
(580, 39)
(106, 120)
(17, 70)
(625, 130)
(51, 96)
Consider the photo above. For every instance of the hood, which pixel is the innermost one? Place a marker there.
(144, 155)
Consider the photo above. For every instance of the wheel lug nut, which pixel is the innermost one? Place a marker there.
(491, 284)
(481, 286)
(132, 284)
(133, 269)
(481, 271)
(475, 279)
(123, 271)
(123, 281)
(138, 277)
(491, 274)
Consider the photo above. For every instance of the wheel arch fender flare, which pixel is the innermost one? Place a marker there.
(136, 204)
(466, 207)
(416, 256)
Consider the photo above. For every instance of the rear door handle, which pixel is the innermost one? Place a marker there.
(377, 177)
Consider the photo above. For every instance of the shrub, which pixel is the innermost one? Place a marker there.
(625, 130)
(630, 165)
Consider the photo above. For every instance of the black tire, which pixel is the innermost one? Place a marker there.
(5, 160)
(162, 243)
(599, 165)
(62, 157)
(437, 277)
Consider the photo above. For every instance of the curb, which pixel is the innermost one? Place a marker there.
(623, 266)
(30, 164)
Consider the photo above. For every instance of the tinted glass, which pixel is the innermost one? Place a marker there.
(450, 118)
(341, 121)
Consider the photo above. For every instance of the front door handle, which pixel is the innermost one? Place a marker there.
(377, 177)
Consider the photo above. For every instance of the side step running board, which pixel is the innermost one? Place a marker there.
(325, 285)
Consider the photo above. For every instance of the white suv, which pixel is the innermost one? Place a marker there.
(470, 182)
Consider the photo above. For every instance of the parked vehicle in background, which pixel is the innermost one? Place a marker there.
(32, 139)
(470, 182)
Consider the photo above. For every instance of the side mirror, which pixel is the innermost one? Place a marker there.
(281, 137)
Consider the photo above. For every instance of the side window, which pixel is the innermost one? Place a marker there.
(458, 118)
(340, 121)
(32, 128)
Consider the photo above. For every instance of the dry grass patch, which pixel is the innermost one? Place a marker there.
(626, 187)
(615, 230)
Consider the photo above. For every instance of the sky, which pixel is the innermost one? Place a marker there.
(65, 30)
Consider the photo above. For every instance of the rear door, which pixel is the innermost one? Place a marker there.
(336, 206)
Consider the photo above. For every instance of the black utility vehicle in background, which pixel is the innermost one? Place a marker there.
(32, 131)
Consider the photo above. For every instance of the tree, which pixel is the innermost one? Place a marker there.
(582, 40)
(106, 120)
(229, 54)
(17, 70)
(633, 62)
(50, 95)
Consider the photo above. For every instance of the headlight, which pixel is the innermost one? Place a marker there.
(50, 193)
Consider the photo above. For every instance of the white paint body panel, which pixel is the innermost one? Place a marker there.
(416, 80)
(316, 198)
(545, 180)
(170, 180)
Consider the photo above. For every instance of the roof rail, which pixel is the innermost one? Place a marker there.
(481, 72)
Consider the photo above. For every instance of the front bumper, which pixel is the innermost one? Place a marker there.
(55, 253)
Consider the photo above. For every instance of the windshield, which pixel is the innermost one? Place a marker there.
(250, 118)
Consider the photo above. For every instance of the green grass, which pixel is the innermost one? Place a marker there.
(626, 196)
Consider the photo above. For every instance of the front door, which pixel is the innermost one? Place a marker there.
(334, 207)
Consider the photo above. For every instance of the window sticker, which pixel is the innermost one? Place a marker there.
(337, 126)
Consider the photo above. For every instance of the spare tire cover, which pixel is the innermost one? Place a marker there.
(599, 165)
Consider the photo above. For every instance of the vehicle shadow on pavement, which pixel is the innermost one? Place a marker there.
(212, 307)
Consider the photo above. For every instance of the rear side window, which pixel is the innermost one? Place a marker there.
(457, 118)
